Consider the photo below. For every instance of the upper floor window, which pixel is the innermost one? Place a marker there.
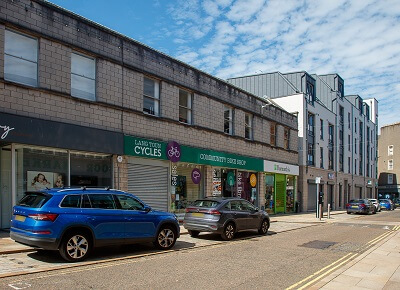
(321, 129)
(310, 154)
(390, 179)
(185, 107)
(349, 120)
(349, 143)
(355, 125)
(286, 138)
(341, 115)
(390, 150)
(228, 120)
(321, 158)
(349, 165)
(310, 124)
(272, 134)
(310, 92)
(83, 77)
(340, 89)
(151, 96)
(330, 134)
(248, 126)
(390, 164)
(20, 59)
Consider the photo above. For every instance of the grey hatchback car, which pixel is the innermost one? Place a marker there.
(224, 216)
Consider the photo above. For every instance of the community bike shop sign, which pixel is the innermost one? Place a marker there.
(173, 151)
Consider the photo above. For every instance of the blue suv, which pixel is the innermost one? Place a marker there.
(75, 220)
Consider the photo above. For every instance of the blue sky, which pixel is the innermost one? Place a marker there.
(358, 39)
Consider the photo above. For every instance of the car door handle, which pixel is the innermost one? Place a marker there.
(129, 219)
(90, 218)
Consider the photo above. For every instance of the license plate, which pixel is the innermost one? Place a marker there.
(354, 206)
(20, 218)
(197, 214)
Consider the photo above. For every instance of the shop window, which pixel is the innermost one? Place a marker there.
(83, 77)
(187, 180)
(248, 126)
(228, 120)
(20, 59)
(290, 193)
(151, 96)
(269, 192)
(91, 170)
(246, 186)
(390, 179)
(185, 107)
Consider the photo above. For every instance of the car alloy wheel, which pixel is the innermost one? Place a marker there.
(166, 238)
(229, 232)
(264, 228)
(75, 247)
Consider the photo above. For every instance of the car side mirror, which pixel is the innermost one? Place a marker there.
(147, 208)
(256, 209)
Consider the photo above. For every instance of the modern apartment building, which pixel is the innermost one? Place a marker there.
(337, 134)
(82, 105)
(388, 162)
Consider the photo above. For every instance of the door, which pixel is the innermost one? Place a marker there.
(139, 223)
(312, 197)
(5, 188)
(239, 214)
(150, 184)
(280, 193)
(107, 221)
(253, 220)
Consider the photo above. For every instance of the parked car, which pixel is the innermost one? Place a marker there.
(360, 206)
(75, 220)
(386, 204)
(225, 216)
(376, 204)
(396, 202)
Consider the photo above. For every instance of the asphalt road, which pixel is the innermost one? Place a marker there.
(277, 261)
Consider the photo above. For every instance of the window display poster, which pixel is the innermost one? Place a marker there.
(38, 180)
(217, 189)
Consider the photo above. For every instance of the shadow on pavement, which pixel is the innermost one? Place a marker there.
(105, 253)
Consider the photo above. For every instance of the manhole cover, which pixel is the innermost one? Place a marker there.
(318, 244)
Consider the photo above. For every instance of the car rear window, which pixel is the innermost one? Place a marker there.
(206, 203)
(34, 199)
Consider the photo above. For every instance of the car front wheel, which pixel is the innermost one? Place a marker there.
(193, 234)
(75, 247)
(229, 232)
(264, 227)
(166, 238)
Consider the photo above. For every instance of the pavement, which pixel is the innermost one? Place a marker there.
(376, 268)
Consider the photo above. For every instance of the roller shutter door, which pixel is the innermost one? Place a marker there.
(312, 197)
(150, 184)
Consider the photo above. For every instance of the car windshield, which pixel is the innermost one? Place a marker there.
(206, 203)
(34, 199)
(373, 200)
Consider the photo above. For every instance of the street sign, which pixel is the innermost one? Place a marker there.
(317, 180)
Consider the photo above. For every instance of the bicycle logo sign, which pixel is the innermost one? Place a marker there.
(173, 151)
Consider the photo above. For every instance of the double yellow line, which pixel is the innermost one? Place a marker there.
(333, 266)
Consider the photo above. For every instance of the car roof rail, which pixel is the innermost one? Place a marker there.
(69, 188)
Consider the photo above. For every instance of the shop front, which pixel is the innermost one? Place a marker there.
(169, 176)
(280, 187)
(37, 154)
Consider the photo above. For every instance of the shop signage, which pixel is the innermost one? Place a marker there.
(231, 178)
(145, 148)
(369, 182)
(331, 175)
(173, 151)
(196, 176)
(34, 131)
(239, 183)
(6, 130)
(253, 180)
(221, 159)
(161, 150)
(277, 167)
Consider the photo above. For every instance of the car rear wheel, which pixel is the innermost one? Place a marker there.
(229, 232)
(348, 212)
(166, 238)
(75, 247)
(264, 227)
(193, 234)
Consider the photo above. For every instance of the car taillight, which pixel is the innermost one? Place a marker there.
(42, 232)
(348, 205)
(214, 212)
(44, 216)
(189, 209)
(362, 205)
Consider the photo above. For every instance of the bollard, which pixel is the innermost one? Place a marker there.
(329, 210)
(320, 211)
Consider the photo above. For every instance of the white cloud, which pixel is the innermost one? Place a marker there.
(358, 39)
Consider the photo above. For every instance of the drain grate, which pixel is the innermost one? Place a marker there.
(318, 244)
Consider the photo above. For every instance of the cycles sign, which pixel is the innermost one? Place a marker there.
(145, 148)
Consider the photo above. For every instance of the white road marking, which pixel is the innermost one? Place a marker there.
(20, 285)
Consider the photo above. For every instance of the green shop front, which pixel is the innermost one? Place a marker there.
(169, 176)
(280, 187)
